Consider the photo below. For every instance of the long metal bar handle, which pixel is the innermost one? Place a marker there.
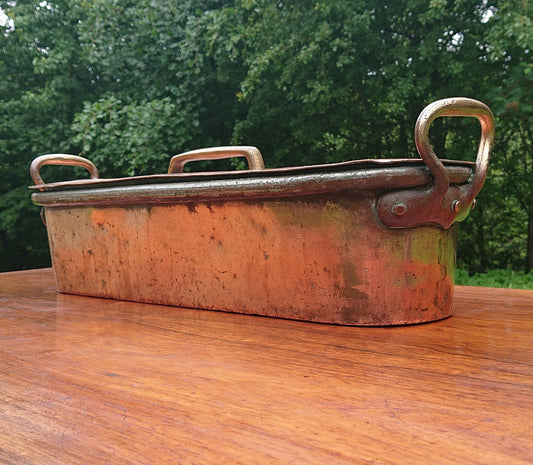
(60, 159)
(252, 154)
(441, 203)
(455, 107)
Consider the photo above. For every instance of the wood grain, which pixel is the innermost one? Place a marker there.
(94, 381)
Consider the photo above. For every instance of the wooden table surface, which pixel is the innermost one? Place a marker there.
(93, 381)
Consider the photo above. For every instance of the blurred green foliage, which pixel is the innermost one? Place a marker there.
(496, 278)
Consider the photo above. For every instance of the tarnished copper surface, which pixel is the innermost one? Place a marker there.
(305, 243)
(320, 259)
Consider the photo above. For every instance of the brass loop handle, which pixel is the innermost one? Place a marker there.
(440, 203)
(60, 159)
(252, 154)
(455, 107)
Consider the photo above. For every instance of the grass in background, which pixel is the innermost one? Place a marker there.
(496, 278)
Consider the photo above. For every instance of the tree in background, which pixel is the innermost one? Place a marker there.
(129, 84)
(511, 38)
(158, 90)
(500, 233)
(44, 80)
(336, 80)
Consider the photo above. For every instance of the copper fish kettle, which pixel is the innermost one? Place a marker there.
(368, 242)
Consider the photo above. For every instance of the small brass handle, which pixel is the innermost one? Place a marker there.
(60, 159)
(252, 154)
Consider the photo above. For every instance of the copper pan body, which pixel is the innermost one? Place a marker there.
(356, 243)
